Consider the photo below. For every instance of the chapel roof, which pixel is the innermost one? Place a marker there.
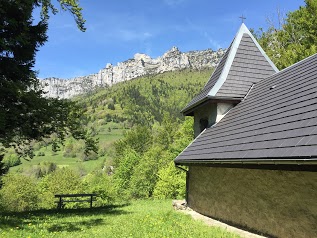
(275, 123)
(243, 64)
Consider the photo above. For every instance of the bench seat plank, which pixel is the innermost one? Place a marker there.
(76, 195)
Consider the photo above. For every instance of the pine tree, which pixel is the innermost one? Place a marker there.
(25, 114)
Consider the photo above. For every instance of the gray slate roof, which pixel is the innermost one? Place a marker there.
(243, 64)
(276, 122)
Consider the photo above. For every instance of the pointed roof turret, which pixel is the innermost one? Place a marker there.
(243, 64)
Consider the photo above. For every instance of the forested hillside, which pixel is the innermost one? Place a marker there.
(143, 101)
(140, 131)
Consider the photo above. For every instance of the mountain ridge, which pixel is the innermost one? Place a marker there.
(140, 65)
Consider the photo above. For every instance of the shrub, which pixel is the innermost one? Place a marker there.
(101, 184)
(19, 193)
(171, 183)
(111, 106)
(47, 167)
(40, 170)
(72, 148)
(37, 146)
(80, 169)
(11, 160)
(33, 171)
(90, 156)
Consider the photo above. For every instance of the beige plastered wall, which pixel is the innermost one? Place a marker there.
(271, 202)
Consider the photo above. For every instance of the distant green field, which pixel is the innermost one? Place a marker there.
(105, 137)
(139, 219)
(60, 161)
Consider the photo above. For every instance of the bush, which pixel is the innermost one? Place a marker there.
(91, 156)
(111, 106)
(40, 170)
(19, 193)
(47, 167)
(101, 184)
(171, 183)
(73, 148)
(80, 169)
(11, 160)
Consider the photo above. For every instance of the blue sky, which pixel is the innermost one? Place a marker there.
(116, 30)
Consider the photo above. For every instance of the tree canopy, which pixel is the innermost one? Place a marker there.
(295, 40)
(71, 6)
(25, 114)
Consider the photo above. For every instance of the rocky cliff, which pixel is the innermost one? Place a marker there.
(141, 64)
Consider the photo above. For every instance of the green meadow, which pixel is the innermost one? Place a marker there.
(142, 218)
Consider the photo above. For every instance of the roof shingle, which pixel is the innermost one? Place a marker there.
(278, 120)
(243, 64)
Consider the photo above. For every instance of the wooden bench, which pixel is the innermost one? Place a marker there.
(63, 198)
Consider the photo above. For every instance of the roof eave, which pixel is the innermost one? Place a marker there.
(254, 161)
(188, 110)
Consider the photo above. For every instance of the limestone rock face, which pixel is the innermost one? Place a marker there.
(141, 64)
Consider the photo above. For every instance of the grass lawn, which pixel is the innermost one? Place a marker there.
(138, 219)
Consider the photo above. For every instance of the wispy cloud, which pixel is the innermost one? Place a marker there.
(200, 29)
(214, 44)
(121, 27)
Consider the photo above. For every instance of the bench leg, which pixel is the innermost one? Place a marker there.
(90, 201)
(60, 203)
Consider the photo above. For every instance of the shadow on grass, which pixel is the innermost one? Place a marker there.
(75, 226)
(56, 220)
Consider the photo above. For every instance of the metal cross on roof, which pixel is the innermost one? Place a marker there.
(242, 18)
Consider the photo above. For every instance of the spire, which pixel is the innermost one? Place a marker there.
(243, 64)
